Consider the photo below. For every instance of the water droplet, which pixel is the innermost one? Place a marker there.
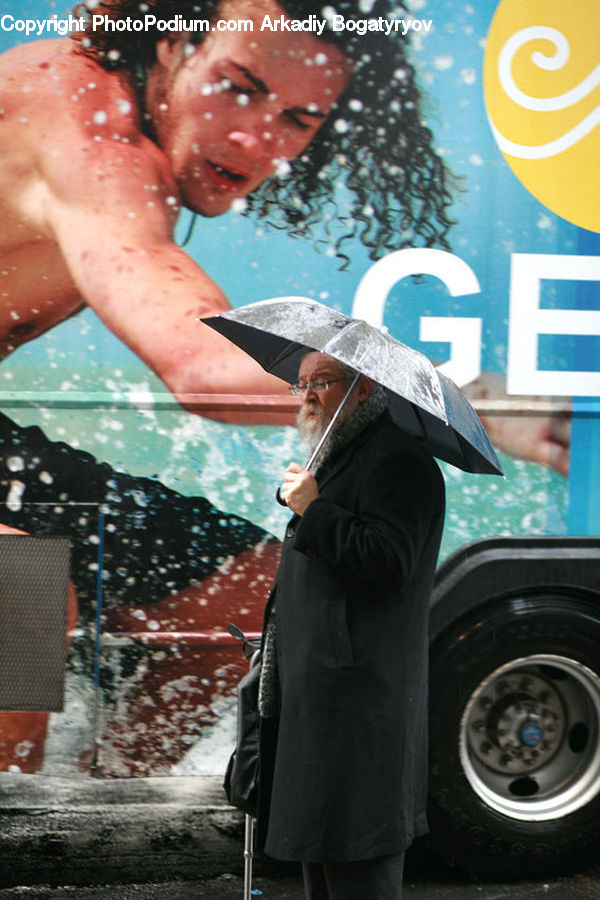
(14, 496)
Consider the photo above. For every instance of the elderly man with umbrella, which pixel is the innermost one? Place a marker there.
(343, 692)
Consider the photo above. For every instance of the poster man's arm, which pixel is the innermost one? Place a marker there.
(115, 236)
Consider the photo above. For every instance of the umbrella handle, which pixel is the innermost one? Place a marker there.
(325, 434)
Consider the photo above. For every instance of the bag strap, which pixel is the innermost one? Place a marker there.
(249, 645)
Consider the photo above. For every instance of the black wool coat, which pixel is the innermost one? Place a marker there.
(351, 600)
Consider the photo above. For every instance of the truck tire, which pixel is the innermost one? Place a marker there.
(514, 737)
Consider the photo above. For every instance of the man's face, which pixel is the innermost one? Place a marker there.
(318, 408)
(232, 111)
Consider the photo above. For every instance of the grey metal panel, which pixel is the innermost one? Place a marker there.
(34, 578)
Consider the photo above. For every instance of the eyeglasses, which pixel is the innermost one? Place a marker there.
(317, 386)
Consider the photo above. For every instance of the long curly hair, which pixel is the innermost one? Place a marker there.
(371, 171)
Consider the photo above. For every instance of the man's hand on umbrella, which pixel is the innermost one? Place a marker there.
(299, 489)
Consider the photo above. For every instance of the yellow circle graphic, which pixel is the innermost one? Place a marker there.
(542, 93)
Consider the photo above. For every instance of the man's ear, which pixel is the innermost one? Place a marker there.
(364, 388)
(170, 51)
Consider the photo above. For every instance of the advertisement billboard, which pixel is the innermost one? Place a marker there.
(431, 168)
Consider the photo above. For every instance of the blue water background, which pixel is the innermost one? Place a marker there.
(238, 467)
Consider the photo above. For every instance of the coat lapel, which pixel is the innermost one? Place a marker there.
(343, 459)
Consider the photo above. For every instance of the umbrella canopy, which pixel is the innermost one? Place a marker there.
(279, 332)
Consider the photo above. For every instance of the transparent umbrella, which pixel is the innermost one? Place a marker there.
(279, 332)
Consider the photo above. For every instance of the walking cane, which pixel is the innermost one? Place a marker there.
(250, 649)
(249, 823)
(248, 856)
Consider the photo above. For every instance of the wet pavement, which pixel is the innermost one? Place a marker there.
(418, 886)
(176, 839)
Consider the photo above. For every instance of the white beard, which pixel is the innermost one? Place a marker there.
(312, 428)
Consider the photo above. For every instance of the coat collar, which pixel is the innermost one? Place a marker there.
(341, 460)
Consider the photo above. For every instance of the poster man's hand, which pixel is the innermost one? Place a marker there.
(541, 438)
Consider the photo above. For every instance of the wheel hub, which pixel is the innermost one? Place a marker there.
(529, 737)
(531, 734)
(517, 724)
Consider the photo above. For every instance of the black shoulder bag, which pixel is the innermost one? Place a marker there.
(241, 776)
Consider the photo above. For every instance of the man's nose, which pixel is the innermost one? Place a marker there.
(254, 138)
(309, 393)
(245, 139)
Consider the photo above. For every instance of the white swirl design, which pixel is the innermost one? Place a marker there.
(544, 104)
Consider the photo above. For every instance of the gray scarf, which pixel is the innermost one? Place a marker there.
(362, 416)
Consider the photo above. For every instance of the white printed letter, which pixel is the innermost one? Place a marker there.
(527, 321)
(463, 334)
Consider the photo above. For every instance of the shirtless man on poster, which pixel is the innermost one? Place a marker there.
(104, 139)
(100, 152)
(93, 199)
